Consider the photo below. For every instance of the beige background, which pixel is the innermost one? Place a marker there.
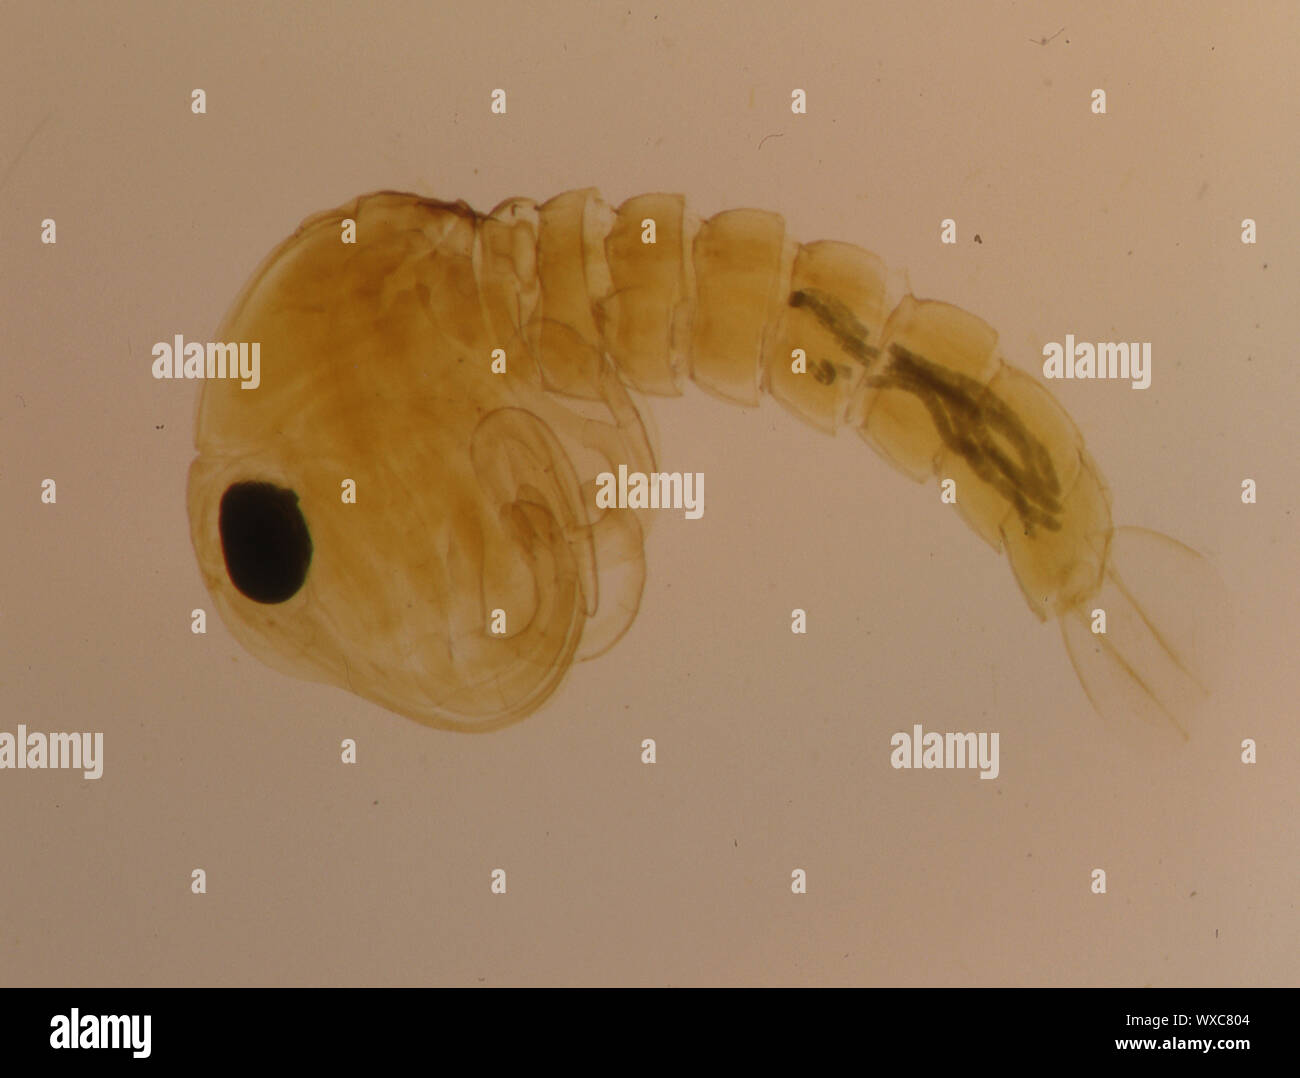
(773, 749)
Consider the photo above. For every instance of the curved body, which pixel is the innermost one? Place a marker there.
(472, 375)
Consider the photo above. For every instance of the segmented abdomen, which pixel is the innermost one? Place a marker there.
(736, 306)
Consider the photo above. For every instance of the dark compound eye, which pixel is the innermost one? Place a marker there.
(265, 541)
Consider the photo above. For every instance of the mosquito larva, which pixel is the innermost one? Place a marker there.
(475, 486)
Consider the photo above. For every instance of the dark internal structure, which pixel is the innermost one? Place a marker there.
(972, 421)
(265, 541)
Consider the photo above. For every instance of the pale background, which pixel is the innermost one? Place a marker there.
(773, 748)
